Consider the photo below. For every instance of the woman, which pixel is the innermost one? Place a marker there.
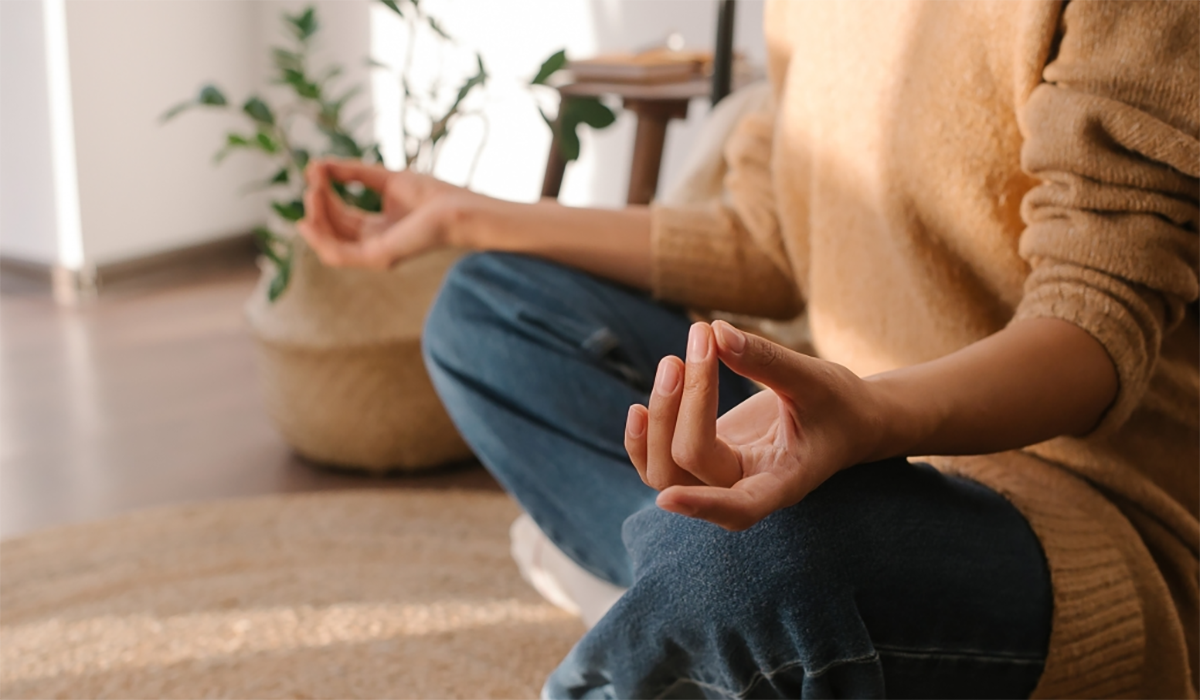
(989, 211)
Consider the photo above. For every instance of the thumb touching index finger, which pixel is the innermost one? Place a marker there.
(373, 176)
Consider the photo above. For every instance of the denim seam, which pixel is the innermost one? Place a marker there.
(764, 675)
(932, 652)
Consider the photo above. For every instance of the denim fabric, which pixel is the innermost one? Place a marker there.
(891, 579)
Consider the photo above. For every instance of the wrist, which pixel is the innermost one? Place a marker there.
(458, 215)
(902, 419)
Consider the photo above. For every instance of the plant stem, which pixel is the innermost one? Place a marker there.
(478, 149)
(404, 107)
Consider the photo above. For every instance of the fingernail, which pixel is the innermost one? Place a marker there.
(668, 377)
(733, 339)
(635, 424)
(697, 350)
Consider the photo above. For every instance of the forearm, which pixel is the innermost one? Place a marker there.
(610, 243)
(1035, 380)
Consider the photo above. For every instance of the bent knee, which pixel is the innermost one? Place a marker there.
(461, 307)
(787, 551)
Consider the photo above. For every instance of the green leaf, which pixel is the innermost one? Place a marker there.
(376, 154)
(258, 110)
(479, 78)
(568, 142)
(391, 4)
(211, 96)
(437, 28)
(300, 158)
(270, 244)
(300, 83)
(590, 111)
(279, 283)
(175, 111)
(232, 142)
(289, 211)
(342, 145)
(576, 111)
(440, 127)
(282, 177)
(549, 67)
(265, 239)
(285, 60)
(266, 142)
(303, 25)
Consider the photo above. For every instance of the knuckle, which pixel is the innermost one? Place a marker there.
(770, 354)
(695, 385)
(656, 481)
(686, 455)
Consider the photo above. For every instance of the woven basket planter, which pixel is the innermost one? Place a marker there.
(341, 369)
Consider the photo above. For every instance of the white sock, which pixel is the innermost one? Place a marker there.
(557, 577)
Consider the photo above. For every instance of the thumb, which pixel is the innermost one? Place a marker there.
(412, 235)
(759, 359)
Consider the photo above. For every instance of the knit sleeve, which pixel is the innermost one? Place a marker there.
(727, 254)
(1111, 233)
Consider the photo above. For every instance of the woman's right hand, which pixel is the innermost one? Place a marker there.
(415, 217)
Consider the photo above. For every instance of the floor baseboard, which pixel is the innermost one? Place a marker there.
(74, 286)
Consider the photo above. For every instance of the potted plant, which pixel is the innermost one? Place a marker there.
(340, 362)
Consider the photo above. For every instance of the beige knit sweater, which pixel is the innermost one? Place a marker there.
(932, 171)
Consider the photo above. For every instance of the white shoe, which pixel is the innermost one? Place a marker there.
(557, 577)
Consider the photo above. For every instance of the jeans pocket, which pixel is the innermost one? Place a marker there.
(596, 342)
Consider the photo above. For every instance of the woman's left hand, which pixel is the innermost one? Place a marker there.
(765, 454)
(414, 217)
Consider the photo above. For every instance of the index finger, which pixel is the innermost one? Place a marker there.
(345, 170)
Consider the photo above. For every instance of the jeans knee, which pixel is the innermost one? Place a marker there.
(457, 312)
(709, 574)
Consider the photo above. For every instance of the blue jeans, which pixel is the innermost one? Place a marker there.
(890, 579)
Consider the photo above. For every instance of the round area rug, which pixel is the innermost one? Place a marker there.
(396, 594)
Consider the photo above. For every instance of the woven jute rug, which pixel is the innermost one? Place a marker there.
(397, 594)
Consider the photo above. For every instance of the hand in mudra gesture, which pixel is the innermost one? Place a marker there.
(765, 454)
(413, 217)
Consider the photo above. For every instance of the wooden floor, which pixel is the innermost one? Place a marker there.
(143, 397)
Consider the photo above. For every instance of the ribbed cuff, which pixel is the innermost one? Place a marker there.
(703, 258)
(1121, 320)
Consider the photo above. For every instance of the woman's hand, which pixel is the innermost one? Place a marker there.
(421, 213)
(415, 216)
(768, 452)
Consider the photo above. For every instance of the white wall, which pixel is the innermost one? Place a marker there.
(146, 187)
(27, 219)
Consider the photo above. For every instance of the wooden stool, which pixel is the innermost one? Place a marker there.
(655, 106)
